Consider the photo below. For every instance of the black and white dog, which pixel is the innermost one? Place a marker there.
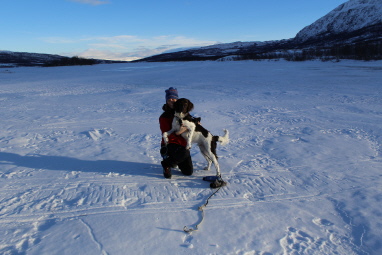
(196, 133)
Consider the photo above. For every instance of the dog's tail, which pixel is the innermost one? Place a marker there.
(223, 139)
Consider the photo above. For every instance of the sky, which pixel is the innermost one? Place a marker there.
(129, 30)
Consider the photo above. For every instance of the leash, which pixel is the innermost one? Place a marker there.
(220, 183)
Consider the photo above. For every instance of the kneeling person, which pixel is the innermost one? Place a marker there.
(175, 153)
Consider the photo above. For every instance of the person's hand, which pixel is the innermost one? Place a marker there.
(181, 130)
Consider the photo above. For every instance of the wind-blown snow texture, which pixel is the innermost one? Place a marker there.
(80, 167)
(348, 17)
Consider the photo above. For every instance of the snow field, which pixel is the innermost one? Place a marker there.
(80, 165)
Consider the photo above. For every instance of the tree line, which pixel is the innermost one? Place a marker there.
(73, 61)
(358, 51)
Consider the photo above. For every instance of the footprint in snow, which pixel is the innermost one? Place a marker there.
(300, 242)
(187, 241)
(322, 222)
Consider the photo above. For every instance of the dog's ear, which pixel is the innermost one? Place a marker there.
(178, 106)
(190, 106)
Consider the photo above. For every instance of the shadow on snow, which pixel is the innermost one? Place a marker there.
(60, 163)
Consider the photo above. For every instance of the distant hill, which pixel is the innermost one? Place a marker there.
(352, 30)
(14, 59)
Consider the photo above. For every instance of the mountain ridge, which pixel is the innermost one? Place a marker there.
(353, 22)
(10, 59)
(346, 18)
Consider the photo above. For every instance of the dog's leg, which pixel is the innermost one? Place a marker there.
(190, 134)
(166, 134)
(205, 154)
(215, 162)
(209, 163)
(211, 158)
(174, 127)
(189, 140)
(187, 137)
(210, 148)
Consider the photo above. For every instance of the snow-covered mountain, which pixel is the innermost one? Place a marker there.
(352, 22)
(220, 51)
(347, 18)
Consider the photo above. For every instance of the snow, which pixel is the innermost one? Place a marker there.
(80, 166)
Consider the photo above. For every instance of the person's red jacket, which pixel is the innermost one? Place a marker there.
(165, 123)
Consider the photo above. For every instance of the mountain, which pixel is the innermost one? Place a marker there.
(351, 21)
(219, 51)
(356, 22)
(13, 59)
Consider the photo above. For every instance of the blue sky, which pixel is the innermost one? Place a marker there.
(127, 29)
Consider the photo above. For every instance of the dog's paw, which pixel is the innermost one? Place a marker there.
(165, 137)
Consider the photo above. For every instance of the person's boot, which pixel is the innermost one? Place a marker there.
(166, 170)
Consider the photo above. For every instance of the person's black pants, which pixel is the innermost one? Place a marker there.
(178, 155)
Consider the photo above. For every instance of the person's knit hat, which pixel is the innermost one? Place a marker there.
(171, 93)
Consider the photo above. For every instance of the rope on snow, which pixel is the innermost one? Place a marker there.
(189, 230)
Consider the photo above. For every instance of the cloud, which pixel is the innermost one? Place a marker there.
(105, 54)
(127, 47)
(91, 2)
(131, 55)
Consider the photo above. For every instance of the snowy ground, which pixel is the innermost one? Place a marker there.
(80, 168)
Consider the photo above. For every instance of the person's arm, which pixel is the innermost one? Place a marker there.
(181, 130)
(165, 124)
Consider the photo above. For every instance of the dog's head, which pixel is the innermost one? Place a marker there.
(182, 107)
